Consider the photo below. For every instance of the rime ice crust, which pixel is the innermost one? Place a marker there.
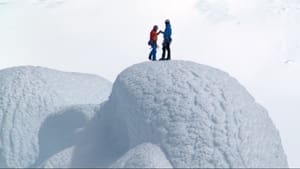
(59, 160)
(146, 155)
(198, 115)
(28, 95)
(160, 114)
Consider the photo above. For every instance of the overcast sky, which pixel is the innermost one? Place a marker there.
(250, 39)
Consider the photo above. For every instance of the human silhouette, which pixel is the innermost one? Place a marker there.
(167, 41)
(153, 42)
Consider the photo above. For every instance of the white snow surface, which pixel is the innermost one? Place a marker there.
(193, 115)
(63, 130)
(174, 114)
(60, 160)
(35, 103)
(146, 155)
(198, 115)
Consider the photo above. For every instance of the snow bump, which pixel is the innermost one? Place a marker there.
(199, 116)
(28, 95)
(146, 155)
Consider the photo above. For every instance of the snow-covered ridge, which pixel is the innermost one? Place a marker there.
(198, 117)
(159, 114)
(28, 96)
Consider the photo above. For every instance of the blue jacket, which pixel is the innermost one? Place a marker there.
(168, 32)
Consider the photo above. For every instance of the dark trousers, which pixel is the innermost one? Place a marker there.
(152, 55)
(166, 47)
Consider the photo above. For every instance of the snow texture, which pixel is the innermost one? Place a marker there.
(33, 101)
(61, 131)
(146, 155)
(59, 160)
(198, 116)
(174, 114)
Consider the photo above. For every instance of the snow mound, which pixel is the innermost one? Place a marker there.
(146, 155)
(28, 96)
(62, 130)
(60, 160)
(199, 117)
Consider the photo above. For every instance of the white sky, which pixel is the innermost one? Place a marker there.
(250, 39)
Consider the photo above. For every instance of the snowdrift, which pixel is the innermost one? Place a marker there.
(197, 116)
(59, 160)
(159, 114)
(36, 114)
(146, 155)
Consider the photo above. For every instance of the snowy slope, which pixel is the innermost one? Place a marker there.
(60, 133)
(285, 86)
(146, 155)
(62, 130)
(28, 95)
(59, 160)
(198, 116)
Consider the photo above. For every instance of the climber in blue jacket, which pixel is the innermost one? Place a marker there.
(167, 41)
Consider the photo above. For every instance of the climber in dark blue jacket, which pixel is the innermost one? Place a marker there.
(167, 41)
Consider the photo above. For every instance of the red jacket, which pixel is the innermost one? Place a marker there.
(153, 35)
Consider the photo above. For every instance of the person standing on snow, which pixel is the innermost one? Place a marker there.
(153, 42)
(167, 41)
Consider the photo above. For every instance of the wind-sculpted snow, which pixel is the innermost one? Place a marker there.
(199, 116)
(63, 130)
(174, 114)
(59, 160)
(146, 155)
(28, 95)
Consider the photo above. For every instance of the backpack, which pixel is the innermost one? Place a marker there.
(150, 42)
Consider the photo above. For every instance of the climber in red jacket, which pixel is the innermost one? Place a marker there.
(153, 42)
